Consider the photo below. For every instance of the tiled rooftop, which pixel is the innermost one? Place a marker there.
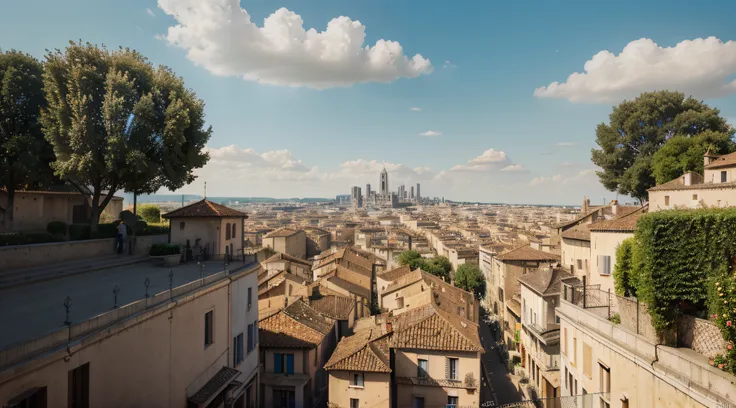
(527, 253)
(204, 208)
(366, 350)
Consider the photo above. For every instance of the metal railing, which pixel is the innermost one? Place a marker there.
(575, 401)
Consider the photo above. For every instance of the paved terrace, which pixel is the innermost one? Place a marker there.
(33, 310)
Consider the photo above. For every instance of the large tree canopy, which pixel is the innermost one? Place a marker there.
(24, 153)
(469, 277)
(682, 154)
(117, 123)
(438, 265)
(637, 129)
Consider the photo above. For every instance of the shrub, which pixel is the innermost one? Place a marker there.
(164, 249)
(615, 318)
(57, 228)
(469, 277)
(108, 230)
(79, 231)
(623, 272)
(26, 238)
(150, 213)
(723, 306)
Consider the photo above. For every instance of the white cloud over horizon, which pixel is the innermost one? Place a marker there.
(430, 133)
(150, 12)
(415, 109)
(220, 36)
(703, 68)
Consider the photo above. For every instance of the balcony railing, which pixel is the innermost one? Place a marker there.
(547, 361)
(549, 335)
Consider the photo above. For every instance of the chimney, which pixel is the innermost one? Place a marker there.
(584, 208)
(709, 157)
(614, 207)
(687, 179)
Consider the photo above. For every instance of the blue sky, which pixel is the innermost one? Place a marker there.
(487, 58)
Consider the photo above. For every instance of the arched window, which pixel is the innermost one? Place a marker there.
(233, 234)
(227, 231)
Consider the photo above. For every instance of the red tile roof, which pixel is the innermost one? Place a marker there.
(366, 350)
(431, 328)
(205, 208)
(527, 253)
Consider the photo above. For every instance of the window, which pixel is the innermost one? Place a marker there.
(400, 303)
(78, 393)
(666, 200)
(227, 231)
(724, 176)
(604, 378)
(357, 380)
(251, 337)
(33, 398)
(580, 264)
(354, 403)
(208, 333)
(423, 368)
(587, 360)
(574, 351)
(182, 225)
(250, 298)
(418, 402)
(451, 402)
(604, 264)
(564, 341)
(232, 233)
(238, 355)
(283, 363)
(695, 197)
(451, 369)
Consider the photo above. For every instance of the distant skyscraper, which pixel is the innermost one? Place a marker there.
(356, 198)
(367, 191)
(419, 196)
(411, 197)
(384, 182)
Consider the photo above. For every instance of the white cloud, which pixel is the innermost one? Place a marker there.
(274, 159)
(150, 12)
(491, 159)
(219, 35)
(449, 64)
(701, 67)
(566, 144)
(537, 181)
(415, 109)
(430, 133)
(514, 168)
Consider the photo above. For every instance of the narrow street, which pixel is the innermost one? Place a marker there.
(504, 384)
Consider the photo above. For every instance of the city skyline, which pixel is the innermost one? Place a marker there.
(437, 111)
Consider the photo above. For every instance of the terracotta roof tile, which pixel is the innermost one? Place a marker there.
(395, 273)
(366, 350)
(723, 161)
(431, 328)
(350, 287)
(333, 306)
(204, 208)
(624, 223)
(282, 232)
(527, 253)
(579, 232)
(286, 257)
(297, 326)
(545, 281)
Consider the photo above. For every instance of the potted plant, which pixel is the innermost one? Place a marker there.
(169, 254)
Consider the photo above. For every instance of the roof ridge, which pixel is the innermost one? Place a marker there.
(462, 320)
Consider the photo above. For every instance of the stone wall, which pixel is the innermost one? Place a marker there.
(701, 336)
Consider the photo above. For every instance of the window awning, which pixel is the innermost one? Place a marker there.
(214, 387)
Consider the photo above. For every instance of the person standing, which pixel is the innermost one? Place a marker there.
(122, 234)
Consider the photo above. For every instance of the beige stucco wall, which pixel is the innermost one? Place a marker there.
(572, 250)
(294, 245)
(236, 240)
(33, 211)
(412, 296)
(204, 229)
(638, 370)
(604, 243)
(406, 363)
(375, 392)
(151, 363)
(711, 197)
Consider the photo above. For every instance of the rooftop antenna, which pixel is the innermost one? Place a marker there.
(205, 189)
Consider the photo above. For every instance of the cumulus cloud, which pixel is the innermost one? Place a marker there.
(220, 36)
(537, 181)
(490, 160)
(566, 144)
(415, 109)
(274, 159)
(430, 133)
(702, 67)
(449, 64)
(150, 12)
(514, 168)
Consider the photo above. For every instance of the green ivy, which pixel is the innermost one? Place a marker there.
(679, 256)
(623, 272)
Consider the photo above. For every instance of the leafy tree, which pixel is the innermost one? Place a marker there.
(637, 129)
(150, 213)
(117, 123)
(682, 154)
(410, 258)
(24, 153)
(469, 277)
(439, 266)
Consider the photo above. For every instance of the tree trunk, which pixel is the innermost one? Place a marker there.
(94, 220)
(135, 203)
(8, 220)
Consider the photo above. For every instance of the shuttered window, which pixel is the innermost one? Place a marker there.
(587, 360)
(451, 369)
(604, 264)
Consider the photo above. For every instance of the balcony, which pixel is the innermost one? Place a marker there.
(549, 335)
(547, 362)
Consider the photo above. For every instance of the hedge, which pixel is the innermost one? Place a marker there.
(27, 238)
(164, 249)
(57, 228)
(684, 261)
